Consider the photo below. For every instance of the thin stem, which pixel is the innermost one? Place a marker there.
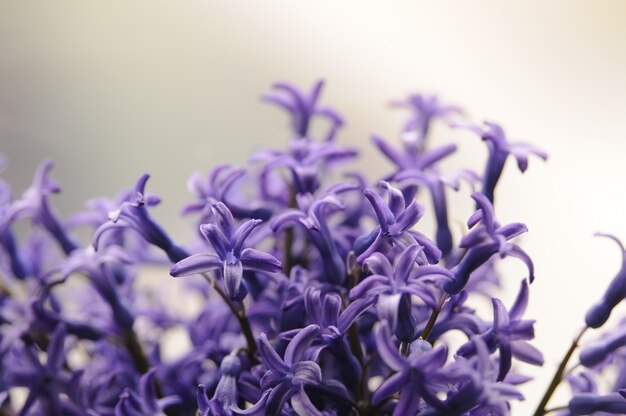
(241, 316)
(433, 317)
(288, 262)
(558, 376)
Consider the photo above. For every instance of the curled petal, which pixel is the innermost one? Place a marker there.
(259, 261)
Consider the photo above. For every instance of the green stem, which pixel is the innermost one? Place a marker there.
(240, 314)
(433, 317)
(558, 376)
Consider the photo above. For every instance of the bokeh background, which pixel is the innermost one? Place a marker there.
(110, 90)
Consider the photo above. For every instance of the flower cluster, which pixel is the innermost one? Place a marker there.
(319, 296)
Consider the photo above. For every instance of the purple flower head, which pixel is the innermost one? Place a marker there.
(508, 335)
(499, 149)
(588, 403)
(144, 402)
(225, 397)
(483, 241)
(43, 380)
(395, 220)
(303, 107)
(480, 387)
(393, 287)
(286, 378)
(134, 214)
(600, 312)
(34, 205)
(424, 109)
(415, 377)
(230, 257)
(594, 354)
(313, 215)
(305, 159)
(436, 185)
(215, 188)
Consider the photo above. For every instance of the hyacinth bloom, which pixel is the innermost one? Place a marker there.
(485, 240)
(145, 401)
(358, 322)
(134, 215)
(286, 379)
(217, 185)
(395, 223)
(499, 150)
(425, 108)
(600, 312)
(586, 404)
(509, 335)
(393, 287)
(230, 257)
(302, 107)
(415, 377)
(600, 350)
(225, 396)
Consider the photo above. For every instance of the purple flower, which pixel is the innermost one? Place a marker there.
(587, 403)
(302, 107)
(134, 215)
(479, 388)
(218, 184)
(145, 402)
(508, 335)
(483, 241)
(34, 205)
(44, 381)
(425, 109)
(600, 312)
(225, 397)
(394, 287)
(286, 378)
(230, 257)
(415, 377)
(499, 149)
(395, 220)
(598, 351)
(313, 215)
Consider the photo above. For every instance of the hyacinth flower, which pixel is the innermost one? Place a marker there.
(594, 354)
(230, 257)
(436, 184)
(614, 294)
(395, 223)
(415, 377)
(313, 216)
(17, 261)
(478, 388)
(302, 107)
(225, 397)
(214, 188)
(486, 238)
(508, 335)
(499, 150)
(34, 205)
(393, 288)
(145, 401)
(587, 403)
(286, 378)
(304, 159)
(44, 381)
(134, 215)
(425, 109)
(324, 310)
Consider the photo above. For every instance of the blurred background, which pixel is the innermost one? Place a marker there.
(110, 90)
